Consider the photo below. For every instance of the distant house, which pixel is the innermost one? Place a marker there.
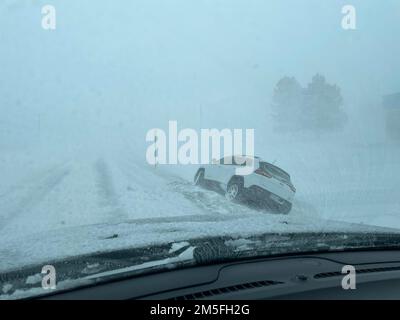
(391, 104)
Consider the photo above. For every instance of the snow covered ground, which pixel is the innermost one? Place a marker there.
(46, 202)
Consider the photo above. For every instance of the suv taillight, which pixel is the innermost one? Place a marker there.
(263, 173)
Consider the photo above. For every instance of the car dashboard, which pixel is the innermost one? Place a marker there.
(305, 276)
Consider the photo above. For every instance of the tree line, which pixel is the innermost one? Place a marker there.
(317, 107)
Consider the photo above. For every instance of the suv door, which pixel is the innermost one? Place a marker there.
(221, 170)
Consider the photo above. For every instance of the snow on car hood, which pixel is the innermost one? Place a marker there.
(69, 242)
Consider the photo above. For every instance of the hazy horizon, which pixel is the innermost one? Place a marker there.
(112, 66)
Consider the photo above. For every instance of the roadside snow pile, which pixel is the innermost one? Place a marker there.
(343, 180)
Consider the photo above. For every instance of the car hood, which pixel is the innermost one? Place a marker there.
(101, 251)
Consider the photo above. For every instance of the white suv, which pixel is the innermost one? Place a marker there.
(267, 184)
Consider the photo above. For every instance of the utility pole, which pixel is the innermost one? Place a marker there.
(201, 116)
(39, 124)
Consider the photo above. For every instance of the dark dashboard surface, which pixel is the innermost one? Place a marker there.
(314, 276)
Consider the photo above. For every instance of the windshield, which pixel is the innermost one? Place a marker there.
(114, 115)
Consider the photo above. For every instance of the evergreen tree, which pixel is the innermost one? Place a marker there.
(322, 105)
(287, 102)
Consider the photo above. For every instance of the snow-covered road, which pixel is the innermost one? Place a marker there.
(54, 196)
(109, 188)
(114, 187)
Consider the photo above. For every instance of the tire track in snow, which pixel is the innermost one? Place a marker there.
(22, 184)
(212, 201)
(145, 189)
(22, 199)
(106, 191)
(175, 185)
(209, 202)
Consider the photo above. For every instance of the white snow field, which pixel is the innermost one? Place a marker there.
(68, 204)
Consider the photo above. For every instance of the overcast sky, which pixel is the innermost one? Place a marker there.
(145, 61)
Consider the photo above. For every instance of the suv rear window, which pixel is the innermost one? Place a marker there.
(275, 171)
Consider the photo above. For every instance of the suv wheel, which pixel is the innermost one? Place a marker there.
(199, 177)
(285, 208)
(234, 190)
